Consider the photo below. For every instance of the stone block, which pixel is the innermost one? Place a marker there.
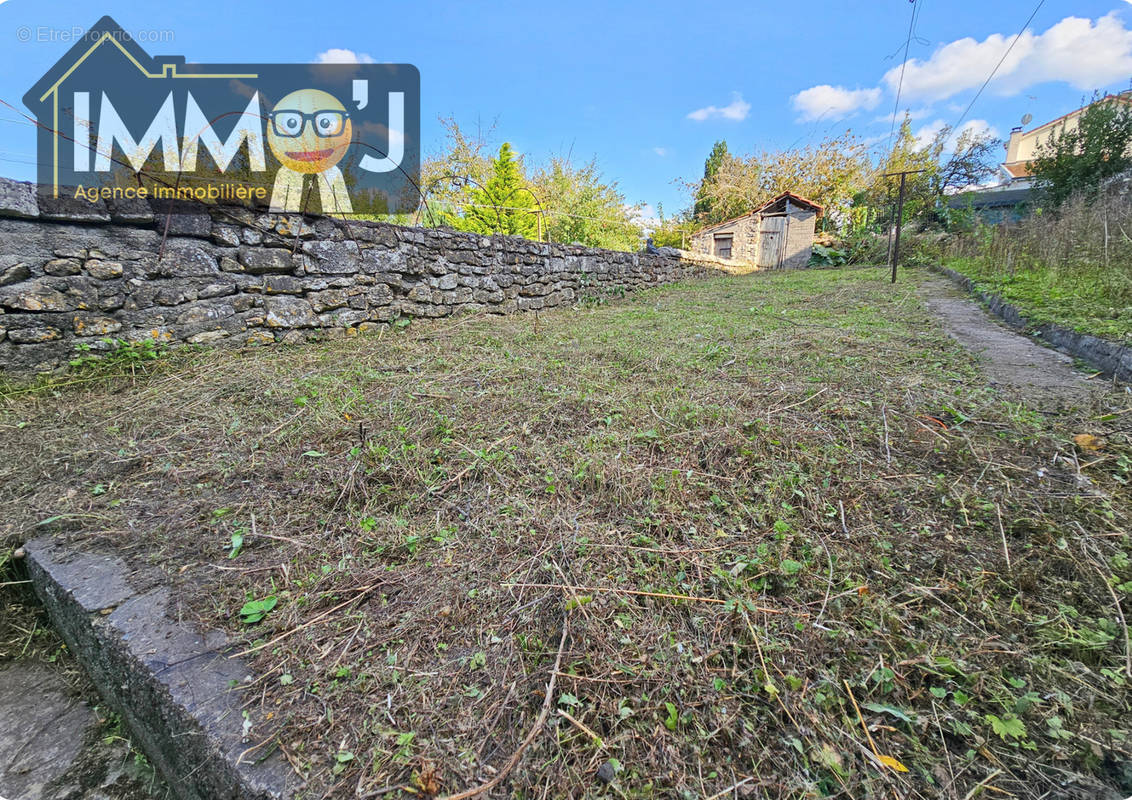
(328, 300)
(197, 225)
(95, 326)
(13, 271)
(183, 259)
(18, 199)
(289, 312)
(35, 335)
(62, 266)
(261, 260)
(331, 258)
(37, 296)
(103, 270)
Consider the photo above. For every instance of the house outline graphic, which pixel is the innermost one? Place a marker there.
(106, 29)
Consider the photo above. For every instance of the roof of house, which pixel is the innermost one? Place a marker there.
(725, 222)
(1124, 97)
(796, 199)
(990, 198)
(1018, 169)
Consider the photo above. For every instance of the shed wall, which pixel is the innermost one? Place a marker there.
(799, 238)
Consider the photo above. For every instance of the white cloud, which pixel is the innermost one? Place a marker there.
(833, 102)
(737, 110)
(643, 214)
(337, 55)
(979, 126)
(1084, 53)
(927, 133)
(663, 151)
(917, 113)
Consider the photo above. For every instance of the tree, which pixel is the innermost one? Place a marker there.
(703, 205)
(443, 173)
(946, 163)
(674, 231)
(504, 204)
(829, 173)
(973, 159)
(1079, 159)
(921, 160)
(581, 207)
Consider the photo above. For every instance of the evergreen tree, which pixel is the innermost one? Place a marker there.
(704, 203)
(503, 204)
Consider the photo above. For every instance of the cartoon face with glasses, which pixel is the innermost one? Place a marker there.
(309, 131)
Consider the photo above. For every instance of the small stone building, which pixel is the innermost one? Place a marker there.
(777, 235)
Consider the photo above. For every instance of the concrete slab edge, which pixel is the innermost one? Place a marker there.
(1111, 358)
(176, 690)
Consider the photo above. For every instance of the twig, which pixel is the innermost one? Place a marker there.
(864, 727)
(829, 580)
(308, 623)
(582, 727)
(1119, 613)
(634, 592)
(731, 788)
(943, 741)
(547, 702)
(982, 784)
(887, 449)
(800, 402)
(1002, 532)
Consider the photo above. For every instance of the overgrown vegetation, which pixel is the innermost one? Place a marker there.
(842, 174)
(560, 201)
(1078, 160)
(1067, 265)
(770, 535)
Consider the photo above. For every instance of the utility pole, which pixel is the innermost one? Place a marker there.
(895, 257)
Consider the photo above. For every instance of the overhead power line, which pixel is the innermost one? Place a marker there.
(994, 71)
(903, 64)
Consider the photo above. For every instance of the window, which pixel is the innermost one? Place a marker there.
(723, 246)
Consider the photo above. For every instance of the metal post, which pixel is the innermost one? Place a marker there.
(895, 250)
(899, 221)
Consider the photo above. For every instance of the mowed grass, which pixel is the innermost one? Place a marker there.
(769, 536)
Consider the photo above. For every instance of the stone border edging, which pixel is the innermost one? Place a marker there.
(1111, 358)
(172, 686)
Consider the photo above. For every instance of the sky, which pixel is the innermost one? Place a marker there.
(646, 88)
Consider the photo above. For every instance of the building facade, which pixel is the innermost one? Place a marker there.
(777, 235)
(1022, 146)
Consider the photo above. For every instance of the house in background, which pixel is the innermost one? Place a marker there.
(1010, 199)
(777, 235)
(1022, 147)
(1006, 203)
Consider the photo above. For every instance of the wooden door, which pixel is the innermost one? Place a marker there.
(772, 235)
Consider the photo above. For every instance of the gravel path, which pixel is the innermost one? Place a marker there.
(1008, 357)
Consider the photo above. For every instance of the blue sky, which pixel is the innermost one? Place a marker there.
(646, 87)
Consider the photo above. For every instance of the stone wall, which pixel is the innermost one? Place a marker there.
(78, 275)
(744, 232)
